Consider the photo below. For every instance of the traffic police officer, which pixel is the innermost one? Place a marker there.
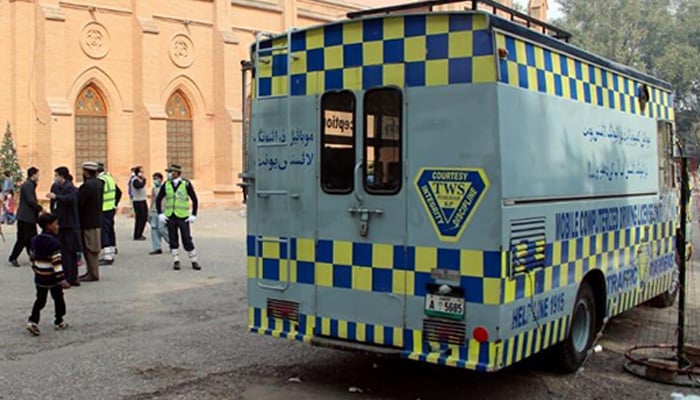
(110, 199)
(178, 193)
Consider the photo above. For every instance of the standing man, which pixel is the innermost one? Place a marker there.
(159, 230)
(110, 200)
(65, 207)
(27, 215)
(177, 193)
(90, 214)
(137, 188)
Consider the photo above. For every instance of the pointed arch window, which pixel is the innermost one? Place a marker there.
(179, 132)
(90, 126)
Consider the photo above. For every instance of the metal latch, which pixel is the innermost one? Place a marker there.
(246, 182)
(364, 218)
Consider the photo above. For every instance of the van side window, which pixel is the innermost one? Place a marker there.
(337, 142)
(382, 141)
(667, 180)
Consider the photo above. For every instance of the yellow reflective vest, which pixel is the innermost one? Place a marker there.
(109, 197)
(177, 202)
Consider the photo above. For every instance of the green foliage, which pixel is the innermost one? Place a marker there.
(8, 157)
(660, 37)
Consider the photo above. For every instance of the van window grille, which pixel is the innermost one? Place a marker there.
(443, 331)
(527, 243)
(283, 309)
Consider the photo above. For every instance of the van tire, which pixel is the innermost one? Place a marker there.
(571, 353)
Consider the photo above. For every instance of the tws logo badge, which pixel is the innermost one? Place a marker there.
(450, 196)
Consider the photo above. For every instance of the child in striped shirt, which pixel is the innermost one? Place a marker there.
(48, 273)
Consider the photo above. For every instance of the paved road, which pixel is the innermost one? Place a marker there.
(147, 332)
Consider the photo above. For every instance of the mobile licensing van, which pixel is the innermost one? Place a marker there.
(453, 187)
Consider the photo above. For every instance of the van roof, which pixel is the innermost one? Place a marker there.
(546, 35)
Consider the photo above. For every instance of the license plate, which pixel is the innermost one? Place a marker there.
(444, 306)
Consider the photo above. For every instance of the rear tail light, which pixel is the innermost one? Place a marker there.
(481, 334)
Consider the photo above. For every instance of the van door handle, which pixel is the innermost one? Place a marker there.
(358, 181)
(366, 211)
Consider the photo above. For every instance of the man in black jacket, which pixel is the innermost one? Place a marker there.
(27, 214)
(90, 214)
(137, 188)
(64, 196)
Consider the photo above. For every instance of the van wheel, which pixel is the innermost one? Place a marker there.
(571, 353)
(668, 298)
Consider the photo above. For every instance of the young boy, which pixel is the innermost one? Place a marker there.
(48, 273)
(10, 207)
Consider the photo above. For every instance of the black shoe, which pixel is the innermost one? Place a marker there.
(14, 263)
(176, 265)
(140, 239)
(106, 262)
(74, 283)
(154, 252)
(88, 278)
(196, 267)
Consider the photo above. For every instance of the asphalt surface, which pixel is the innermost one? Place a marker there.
(148, 332)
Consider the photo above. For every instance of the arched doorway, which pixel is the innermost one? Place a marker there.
(90, 126)
(179, 130)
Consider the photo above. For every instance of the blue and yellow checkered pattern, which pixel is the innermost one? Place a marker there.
(474, 355)
(567, 262)
(435, 50)
(486, 277)
(539, 69)
(528, 343)
(375, 267)
(405, 51)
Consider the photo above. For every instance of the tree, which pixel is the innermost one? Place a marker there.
(8, 157)
(659, 37)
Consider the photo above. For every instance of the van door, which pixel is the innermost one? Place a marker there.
(360, 252)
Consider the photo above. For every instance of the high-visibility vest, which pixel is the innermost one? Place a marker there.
(109, 197)
(177, 202)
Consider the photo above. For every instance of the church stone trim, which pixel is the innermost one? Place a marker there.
(95, 40)
(185, 21)
(181, 50)
(260, 5)
(156, 112)
(194, 94)
(53, 13)
(316, 15)
(149, 26)
(106, 85)
(93, 8)
(229, 37)
(59, 107)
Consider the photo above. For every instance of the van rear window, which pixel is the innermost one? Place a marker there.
(337, 142)
(382, 141)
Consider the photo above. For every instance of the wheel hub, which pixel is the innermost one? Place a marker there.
(581, 326)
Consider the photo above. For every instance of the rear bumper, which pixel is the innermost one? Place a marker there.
(387, 341)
